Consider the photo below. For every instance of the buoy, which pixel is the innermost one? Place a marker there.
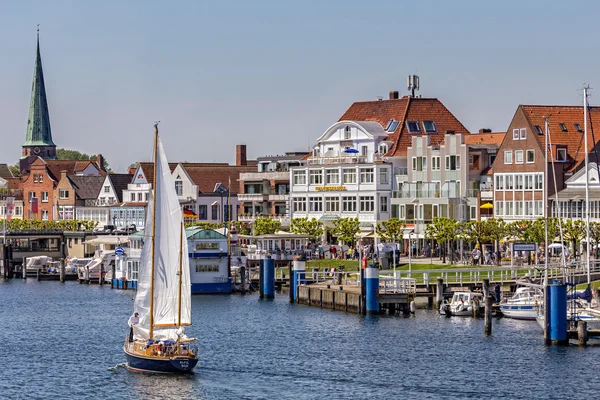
(412, 307)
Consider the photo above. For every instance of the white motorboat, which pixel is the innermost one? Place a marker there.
(524, 304)
(462, 304)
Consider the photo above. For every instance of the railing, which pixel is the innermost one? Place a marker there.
(100, 202)
(252, 196)
(346, 159)
(388, 284)
(494, 274)
(431, 193)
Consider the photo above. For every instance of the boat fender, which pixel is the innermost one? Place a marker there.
(412, 307)
(470, 308)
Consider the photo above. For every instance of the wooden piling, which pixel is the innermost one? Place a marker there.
(488, 315)
(486, 288)
(113, 273)
(38, 274)
(243, 279)
(101, 276)
(439, 292)
(62, 271)
(87, 275)
(291, 281)
(261, 290)
(582, 333)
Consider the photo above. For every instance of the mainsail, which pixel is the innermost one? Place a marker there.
(168, 318)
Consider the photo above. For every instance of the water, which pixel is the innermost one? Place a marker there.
(65, 341)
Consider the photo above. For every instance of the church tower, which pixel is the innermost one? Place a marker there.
(38, 141)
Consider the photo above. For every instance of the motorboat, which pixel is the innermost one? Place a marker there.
(524, 304)
(462, 304)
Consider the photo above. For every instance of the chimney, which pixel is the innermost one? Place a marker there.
(485, 130)
(394, 95)
(100, 161)
(240, 155)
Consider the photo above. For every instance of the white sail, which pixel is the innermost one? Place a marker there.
(167, 225)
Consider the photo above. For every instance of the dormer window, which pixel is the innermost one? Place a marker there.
(179, 187)
(538, 129)
(347, 133)
(578, 127)
(413, 127)
(316, 152)
(383, 148)
(561, 155)
(563, 127)
(391, 125)
(429, 127)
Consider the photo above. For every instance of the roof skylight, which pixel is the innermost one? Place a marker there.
(538, 129)
(429, 127)
(563, 127)
(413, 127)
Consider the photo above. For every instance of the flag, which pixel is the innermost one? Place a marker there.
(34, 205)
(10, 206)
(189, 213)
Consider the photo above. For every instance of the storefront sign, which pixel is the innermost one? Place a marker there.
(207, 246)
(330, 188)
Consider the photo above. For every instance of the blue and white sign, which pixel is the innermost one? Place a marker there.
(119, 251)
(524, 246)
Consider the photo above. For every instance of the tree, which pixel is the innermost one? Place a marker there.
(392, 230)
(443, 230)
(595, 236)
(473, 232)
(309, 227)
(65, 154)
(266, 226)
(346, 230)
(15, 170)
(573, 231)
(496, 229)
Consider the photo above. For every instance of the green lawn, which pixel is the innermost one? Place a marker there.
(349, 265)
(595, 285)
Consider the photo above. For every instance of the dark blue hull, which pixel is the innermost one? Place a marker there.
(173, 365)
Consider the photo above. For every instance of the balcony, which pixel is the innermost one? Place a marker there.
(487, 194)
(265, 176)
(401, 171)
(336, 160)
(252, 197)
(100, 202)
(279, 197)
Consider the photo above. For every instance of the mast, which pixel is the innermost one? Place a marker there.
(228, 227)
(153, 231)
(545, 302)
(180, 271)
(587, 182)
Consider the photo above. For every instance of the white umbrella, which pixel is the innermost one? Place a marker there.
(555, 246)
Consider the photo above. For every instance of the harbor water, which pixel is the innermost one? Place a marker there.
(65, 341)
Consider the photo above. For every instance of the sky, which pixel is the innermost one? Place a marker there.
(274, 75)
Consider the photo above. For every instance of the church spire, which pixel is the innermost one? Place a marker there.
(39, 135)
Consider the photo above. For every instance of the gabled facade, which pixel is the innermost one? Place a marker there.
(570, 203)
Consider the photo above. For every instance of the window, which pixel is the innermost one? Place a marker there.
(63, 193)
(364, 150)
(139, 196)
(66, 213)
(509, 182)
(539, 208)
(35, 178)
(528, 182)
(315, 176)
(523, 133)
(509, 208)
(132, 195)
(132, 269)
(348, 204)
(508, 157)
(18, 210)
(202, 212)
(519, 179)
(413, 127)
(106, 189)
(539, 182)
(299, 204)
(366, 175)
(367, 203)
(518, 156)
(491, 158)
(179, 188)
(419, 163)
(391, 125)
(499, 182)
(383, 204)
(530, 156)
(315, 204)
(31, 195)
(518, 208)
(563, 127)
(429, 127)
(214, 212)
(383, 176)
(578, 127)
(515, 134)
(45, 215)
(435, 163)
(347, 132)
(561, 155)
(538, 129)
(499, 208)
(529, 208)
(146, 196)
(383, 148)
(332, 204)
(349, 175)
(452, 163)
(332, 176)
(44, 197)
(299, 177)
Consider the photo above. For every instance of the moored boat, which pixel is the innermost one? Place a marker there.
(462, 304)
(524, 304)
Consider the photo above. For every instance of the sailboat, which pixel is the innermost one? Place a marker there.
(163, 297)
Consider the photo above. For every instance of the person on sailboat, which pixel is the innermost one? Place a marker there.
(133, 320)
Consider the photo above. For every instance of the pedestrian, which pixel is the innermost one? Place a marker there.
(333, 252)
(133, 320)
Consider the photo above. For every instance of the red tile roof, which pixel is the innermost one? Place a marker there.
(71, 166)
(572, 139)
(403, 110)
(206, 177)
(485, 138)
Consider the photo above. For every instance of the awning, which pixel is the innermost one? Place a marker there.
(366, 234)
(329, 218)
(487, 206)
(108, 240)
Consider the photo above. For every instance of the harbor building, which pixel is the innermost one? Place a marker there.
(265, 192)
(519, 169)
(570, 203)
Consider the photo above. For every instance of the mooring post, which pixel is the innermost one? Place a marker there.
(488, 315)
(363, 306)
(582, 335)
(100, 277)
(261, 279)
(430, 301)
(372, 289)
(243, 279)
(113, 273)
(486, 288)
(38, 273)
(299, 275)
(291, 279)
(558, 313)
(269, 278)
(439, 292)
(62, 271)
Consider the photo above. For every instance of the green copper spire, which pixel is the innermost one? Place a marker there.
(38, 124)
